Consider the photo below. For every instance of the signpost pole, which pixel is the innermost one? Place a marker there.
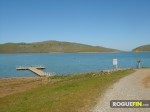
(138, 59)
(115, 64)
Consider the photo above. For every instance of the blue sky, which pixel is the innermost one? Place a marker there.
(120, 24)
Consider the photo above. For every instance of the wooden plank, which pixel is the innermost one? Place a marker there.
(38, 72)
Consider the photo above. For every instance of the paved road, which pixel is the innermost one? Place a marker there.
(128, 88)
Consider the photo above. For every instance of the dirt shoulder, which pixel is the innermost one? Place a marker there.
(14, 85)
(146, 81)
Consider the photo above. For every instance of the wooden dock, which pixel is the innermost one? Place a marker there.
(34, 70)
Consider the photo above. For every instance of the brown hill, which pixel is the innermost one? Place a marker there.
(51, 46)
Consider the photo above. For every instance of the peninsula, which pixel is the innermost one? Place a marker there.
(144, 48)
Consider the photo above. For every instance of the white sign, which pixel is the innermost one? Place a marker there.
(115, 61)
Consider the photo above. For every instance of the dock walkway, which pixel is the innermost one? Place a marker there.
(36, 71)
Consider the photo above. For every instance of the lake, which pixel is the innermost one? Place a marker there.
(69, 63)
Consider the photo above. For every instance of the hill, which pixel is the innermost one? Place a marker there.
(144, 48)
(50, 47)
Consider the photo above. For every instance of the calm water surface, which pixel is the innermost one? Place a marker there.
(68, 63)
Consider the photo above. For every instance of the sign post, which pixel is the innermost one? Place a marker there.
(138, 59)
(115, 63)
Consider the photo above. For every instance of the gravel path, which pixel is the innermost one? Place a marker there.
(131, 87)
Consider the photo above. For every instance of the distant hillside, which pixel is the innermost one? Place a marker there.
(49, 47)
(144, 48)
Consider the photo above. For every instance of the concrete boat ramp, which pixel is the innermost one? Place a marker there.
(35, 70)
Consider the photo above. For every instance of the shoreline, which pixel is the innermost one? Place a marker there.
(102, 71)
(20, 78)
(77, 52)
(61, 52)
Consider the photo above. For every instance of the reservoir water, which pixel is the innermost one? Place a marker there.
(69, 63)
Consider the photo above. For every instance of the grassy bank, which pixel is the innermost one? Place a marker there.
(74, 93)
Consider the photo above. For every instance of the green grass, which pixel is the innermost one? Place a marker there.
(72, 93)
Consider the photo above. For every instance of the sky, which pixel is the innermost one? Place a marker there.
(118, 24)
